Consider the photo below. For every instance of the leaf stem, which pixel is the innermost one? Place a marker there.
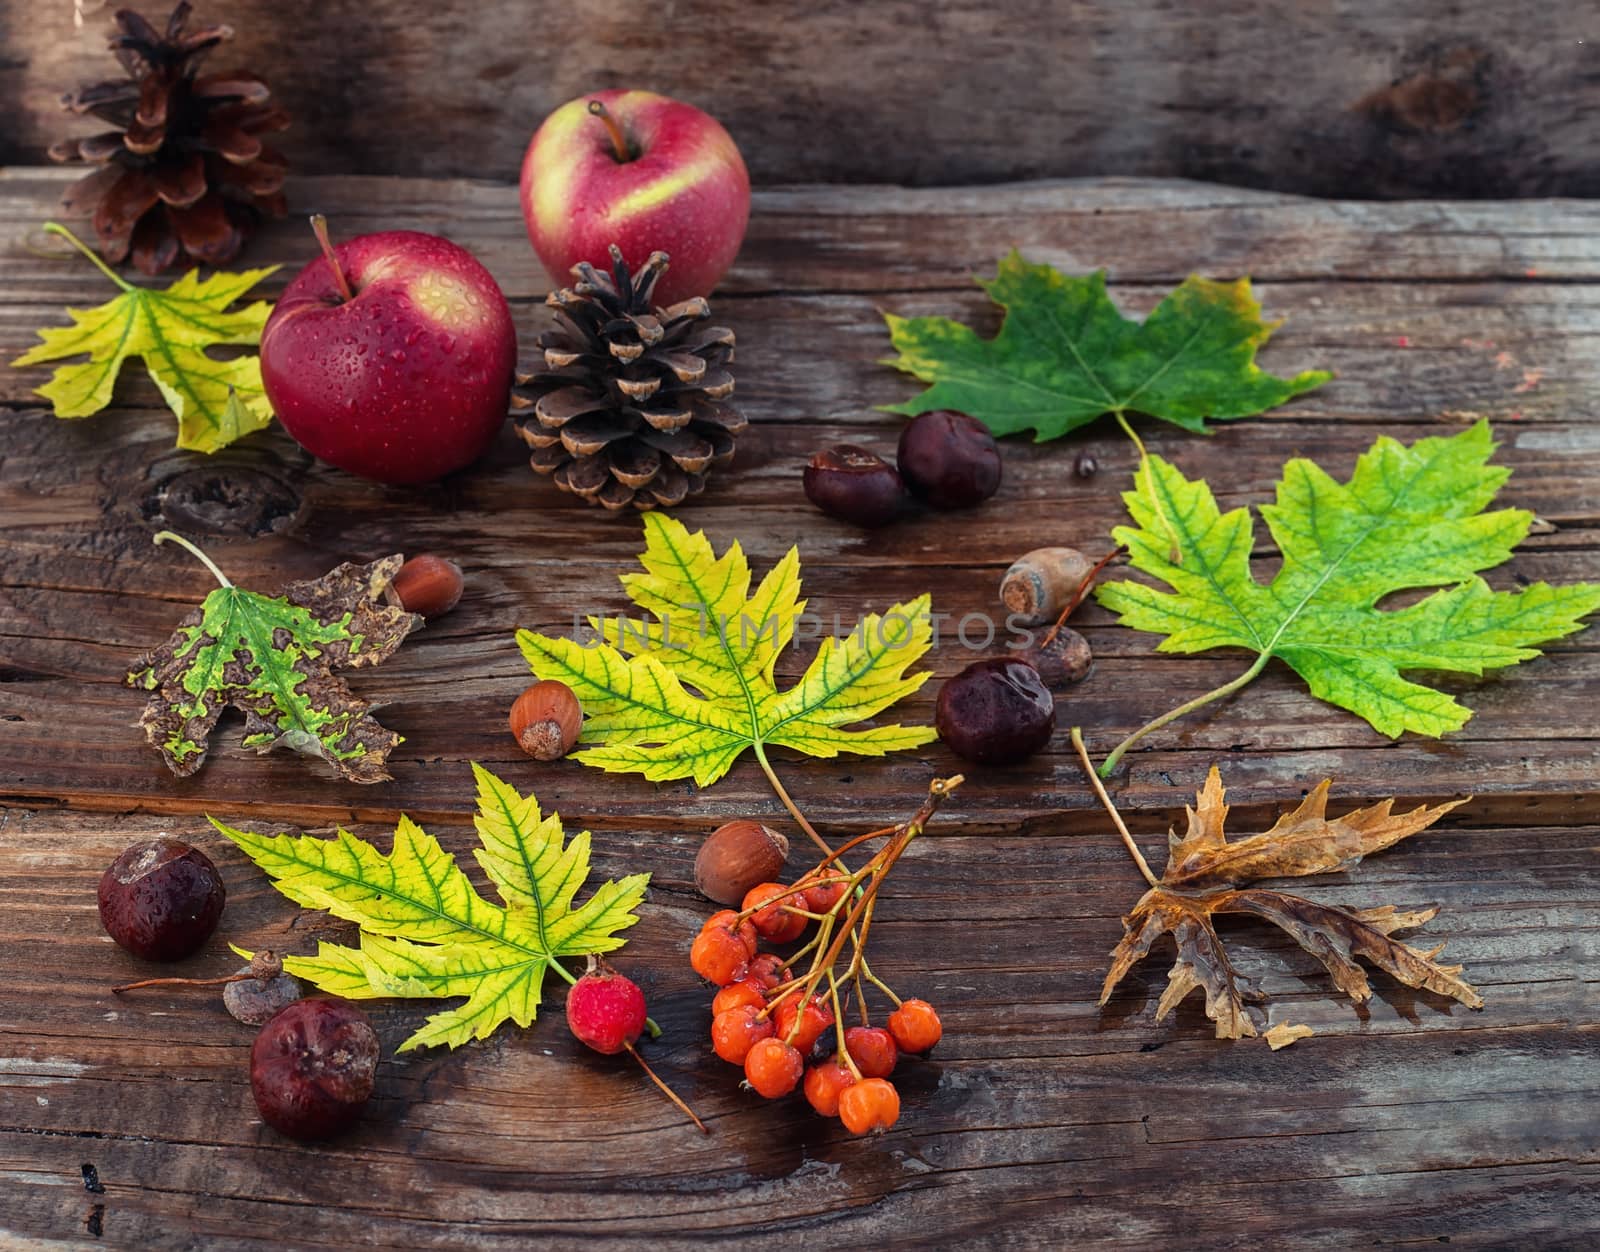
(1116, 817)
(1216, 693)
(56, 228)
(562, 970)
(1174, 552)
(166, 536)
(794, 812)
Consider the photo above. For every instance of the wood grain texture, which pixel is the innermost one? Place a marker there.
(1043, 1119)
(1368, 99)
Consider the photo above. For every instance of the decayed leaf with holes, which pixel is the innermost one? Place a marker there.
(426, 933)
(682, 693)
(1207, 876)
(1065, 355)
(274, 659)
(214, 401)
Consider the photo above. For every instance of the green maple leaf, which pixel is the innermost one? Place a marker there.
(1064, 356)
(1409, 518)
(706, 632)
(215, 401)
(273, 657)
(426, 933)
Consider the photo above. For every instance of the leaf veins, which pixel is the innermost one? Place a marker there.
(1065, 355)
(1206, 876)
(171, 331)
(684, 692)
(426, 932)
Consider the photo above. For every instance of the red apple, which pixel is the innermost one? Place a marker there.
(643, 172)
(391, 356)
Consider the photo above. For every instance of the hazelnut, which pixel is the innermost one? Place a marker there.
(429, 585)
(545, 720)
(737, 856)
(1040, 583)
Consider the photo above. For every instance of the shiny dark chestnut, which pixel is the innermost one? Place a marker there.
(312, 1068)
(996, 712)
(949, 460)
(161, 899)
(854, 485)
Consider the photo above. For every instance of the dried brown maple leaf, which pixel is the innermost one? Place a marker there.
(1206, 876)
(273, 658)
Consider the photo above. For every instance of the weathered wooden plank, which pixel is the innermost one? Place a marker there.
(1492, 342)
(902, 238)
(1411, 1119)
(79, 553)
(1359, 100)
(1092, 1118)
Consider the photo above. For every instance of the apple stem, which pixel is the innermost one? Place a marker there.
(619, 141)
(319, 228)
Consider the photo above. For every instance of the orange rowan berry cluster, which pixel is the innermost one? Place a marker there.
(771, 1021)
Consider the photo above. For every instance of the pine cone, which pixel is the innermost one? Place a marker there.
(627, 408)
(185, 169)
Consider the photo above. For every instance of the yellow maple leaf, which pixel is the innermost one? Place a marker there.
(682, 693)
(426, 932)
(214, 401)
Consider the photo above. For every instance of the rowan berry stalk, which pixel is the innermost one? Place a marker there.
(772, 1027)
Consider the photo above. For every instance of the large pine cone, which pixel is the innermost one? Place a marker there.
(184, 170)
(628, 407)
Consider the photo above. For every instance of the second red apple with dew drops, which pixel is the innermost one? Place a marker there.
(391, 357)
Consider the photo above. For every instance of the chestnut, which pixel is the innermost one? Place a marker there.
(854, 485)
(312, 1068)
(948, 460)
(161, 899)
(995, 712)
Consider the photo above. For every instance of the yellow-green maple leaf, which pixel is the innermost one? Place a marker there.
(427, 934)
(215, 401)
(683, 692)
(1409, 518)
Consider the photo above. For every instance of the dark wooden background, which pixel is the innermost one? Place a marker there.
(1374, 99)
(1043, 1120)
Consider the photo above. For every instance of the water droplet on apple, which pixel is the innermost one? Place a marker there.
(397, 355)
(447, 343)
(361, 350)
